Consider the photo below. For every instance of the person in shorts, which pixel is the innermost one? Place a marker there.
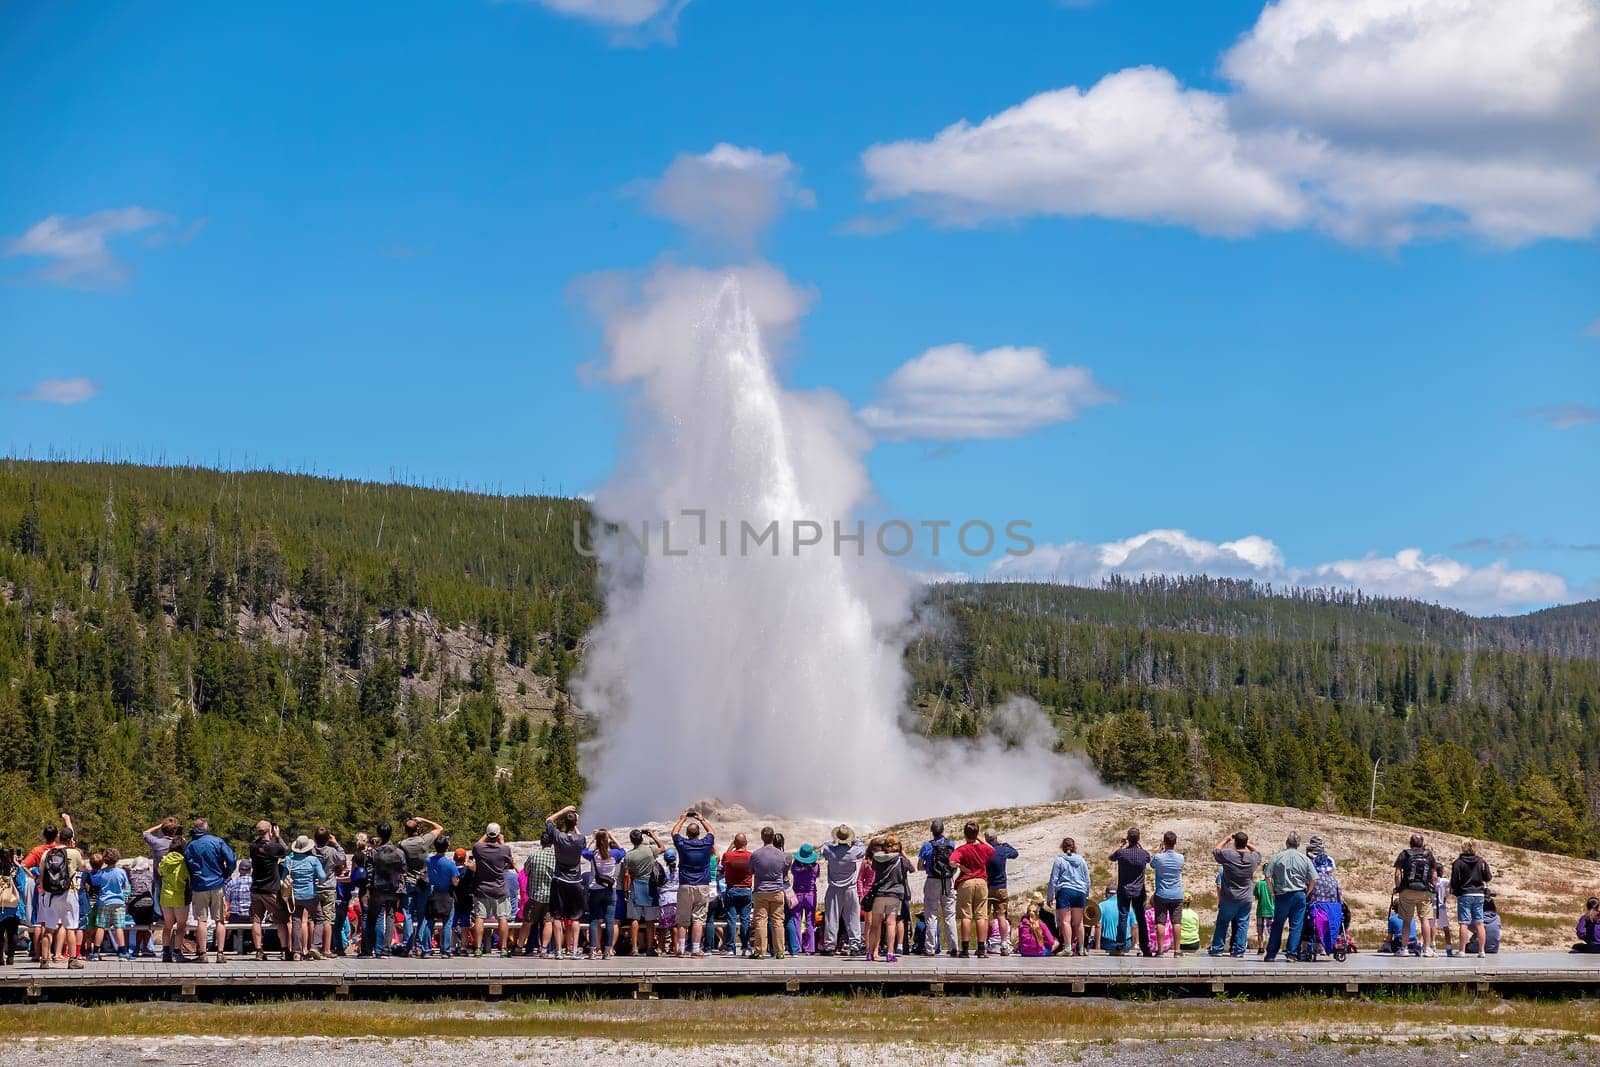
(334, 863)
(59, 912)
(696, 848)
(1469, 882)
(266, 852)
(1414, 877)
(538, 870)
(210, 862)
(112, 902)
(491, 859)
(999, 893)
(644, 912)
(569, 901)
(972, 890)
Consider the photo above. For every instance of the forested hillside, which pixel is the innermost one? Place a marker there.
(191, 641)
(322, 650)
(1204, 689)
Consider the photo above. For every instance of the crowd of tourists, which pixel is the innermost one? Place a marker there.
(412, 891)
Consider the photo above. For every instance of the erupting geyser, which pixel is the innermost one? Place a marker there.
(770, 679)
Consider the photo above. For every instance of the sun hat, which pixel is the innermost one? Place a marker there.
(842, 833)
(805, 854)
(1314, 846)
(302, 844)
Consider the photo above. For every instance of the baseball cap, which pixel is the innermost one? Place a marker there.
(493, 830)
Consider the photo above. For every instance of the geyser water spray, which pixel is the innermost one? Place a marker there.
(771, 677)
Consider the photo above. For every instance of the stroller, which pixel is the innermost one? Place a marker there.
(1310, 948)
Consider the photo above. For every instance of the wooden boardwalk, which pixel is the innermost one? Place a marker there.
(1511, 972)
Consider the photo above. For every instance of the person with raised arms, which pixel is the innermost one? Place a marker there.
(568, 901)
(695, 844)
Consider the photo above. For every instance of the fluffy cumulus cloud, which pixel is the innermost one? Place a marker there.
(1137, 145)
(630, 21)
(730, 193)
(1495, 587)
(62, 391)
(1378, 121)
(953, 392)
(77, 249)
(1410, 573)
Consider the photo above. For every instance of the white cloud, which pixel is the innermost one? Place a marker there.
(953, 392)
(631, 21)
(1152, 552)
(730, 193)
(1408, 573)
(1563, 416)
(1136, 146)
(78, 248)
(1442, 74)
(1378, 121)
(62, 391)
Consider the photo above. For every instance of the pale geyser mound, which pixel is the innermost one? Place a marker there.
(766, 673)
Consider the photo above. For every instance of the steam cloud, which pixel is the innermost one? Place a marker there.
(776, 681)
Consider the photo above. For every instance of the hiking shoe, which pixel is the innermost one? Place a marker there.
(75, 963)
(1480, 954)
(983, 952)
(891, 958)
(261, 956)
(965, 955)
(222, 957)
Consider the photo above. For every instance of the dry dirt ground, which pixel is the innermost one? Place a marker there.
(1540, 895)
(984, 1050)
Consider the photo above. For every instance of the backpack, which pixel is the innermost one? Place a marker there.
(388, 868)
(939, 865)
(141, 887)
(1418, 873)
(55, 873)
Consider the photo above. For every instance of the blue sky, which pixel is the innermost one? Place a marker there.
(1347, 318)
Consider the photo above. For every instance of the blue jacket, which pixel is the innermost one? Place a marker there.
(1069, 872)
(210, 862)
